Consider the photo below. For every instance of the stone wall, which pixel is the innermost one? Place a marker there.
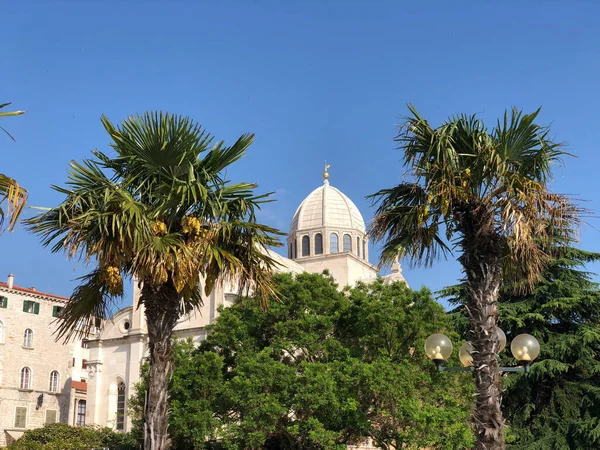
(44, 356)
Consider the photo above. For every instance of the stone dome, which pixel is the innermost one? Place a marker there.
(328, 207)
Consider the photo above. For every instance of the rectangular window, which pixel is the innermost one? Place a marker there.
(20, 417)
(57, 311)
(31, 307)
(81, 413)
(3, 302)
(51, 415)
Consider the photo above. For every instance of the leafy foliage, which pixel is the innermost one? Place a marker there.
(60, 436)
(318, 370)
(557, 405)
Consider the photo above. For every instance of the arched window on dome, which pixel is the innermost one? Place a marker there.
(305, 246)
(357, 246)
(295, 249)
(333, 243)
(347, 243)
(364, 250)
(318, 244)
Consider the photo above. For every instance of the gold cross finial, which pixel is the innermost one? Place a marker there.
(326, 173)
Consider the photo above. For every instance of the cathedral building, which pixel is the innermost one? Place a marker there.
(327, 233)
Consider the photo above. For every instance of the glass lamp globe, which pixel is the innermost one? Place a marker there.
(464, 354)
(438, 347)
(501, 339)
(525, 347)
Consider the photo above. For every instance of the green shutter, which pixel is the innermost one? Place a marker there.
(25, 306)
(3, 302)
(54, 311)
(36, 308)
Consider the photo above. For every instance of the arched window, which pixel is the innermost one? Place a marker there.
(1, 332)
(333, 243)
(54, 378)
(28, 338)
(305, 246)
(347, 243)
(121, 406)
(357, 246)
(25, 378)
(364, 249)
(318, 244)
(295, 249)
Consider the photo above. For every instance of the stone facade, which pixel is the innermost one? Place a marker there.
(27, 363)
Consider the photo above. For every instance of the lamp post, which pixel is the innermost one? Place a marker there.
(438, 347)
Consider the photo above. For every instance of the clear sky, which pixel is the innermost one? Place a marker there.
(315, 80)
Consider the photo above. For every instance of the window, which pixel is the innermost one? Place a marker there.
(25, 378)
(121, 407)
(364, 250)
(318, 244)
(20, 417)
(1, 332)
(305, 246)
(31, 307)
(358, 246)
(81, 413)
(3, 302)
(295, 252)
(84, 343)
(51, 415)
(333, 243)
(290, 250)
(57, 311)
(347, 243)
(54, 379)
(28, 338)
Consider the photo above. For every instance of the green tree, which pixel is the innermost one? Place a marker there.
(557, 405)
(60, 436)
(487, 191)
(12, 195)
(318, 370)
(159, 211)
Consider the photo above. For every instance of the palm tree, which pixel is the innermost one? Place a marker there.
(12, 195)
(487, 193)
(160, 212)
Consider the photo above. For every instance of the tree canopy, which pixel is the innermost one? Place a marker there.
(318, 370)
(556, 406)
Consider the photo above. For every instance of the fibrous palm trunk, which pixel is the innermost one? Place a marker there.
(162, 311)
(482, 264)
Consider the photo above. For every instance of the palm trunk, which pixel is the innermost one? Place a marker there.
(483, 266)
(162, 311)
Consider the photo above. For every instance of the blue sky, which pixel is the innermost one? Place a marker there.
(315, 80)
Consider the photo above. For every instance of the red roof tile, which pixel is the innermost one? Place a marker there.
(79, 385)
(33, 291)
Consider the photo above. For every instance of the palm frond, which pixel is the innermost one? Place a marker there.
(13, 197)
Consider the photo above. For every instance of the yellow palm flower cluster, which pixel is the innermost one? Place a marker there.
(191, 226)
(159, 228)
(111, 276)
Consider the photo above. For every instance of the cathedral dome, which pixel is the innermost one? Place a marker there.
(328, 207)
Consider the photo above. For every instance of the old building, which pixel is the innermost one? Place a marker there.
(327, 232)
(41, 380)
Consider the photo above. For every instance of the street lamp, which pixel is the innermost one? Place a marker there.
(438, 347)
